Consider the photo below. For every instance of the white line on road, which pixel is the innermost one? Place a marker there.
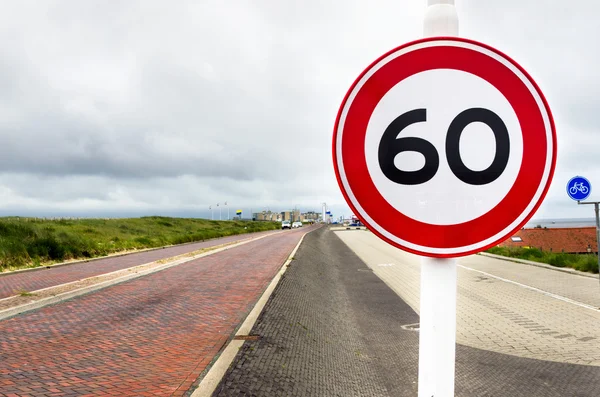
(562, 298)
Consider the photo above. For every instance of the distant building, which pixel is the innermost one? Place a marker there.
(310, 216)
(569, 240)
(290, 215)
(267, 216)
(286, 216)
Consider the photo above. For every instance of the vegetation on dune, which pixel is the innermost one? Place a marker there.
(32, 242)
(583, 262)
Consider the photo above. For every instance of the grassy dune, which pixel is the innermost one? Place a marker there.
(583, 262)
(32, 242)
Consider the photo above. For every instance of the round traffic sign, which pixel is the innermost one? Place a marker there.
(444, 147)
(579, 188)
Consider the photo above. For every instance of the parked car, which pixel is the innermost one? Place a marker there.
(286, 225)
(297, 224)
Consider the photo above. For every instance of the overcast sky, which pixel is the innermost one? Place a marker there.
(166, 107)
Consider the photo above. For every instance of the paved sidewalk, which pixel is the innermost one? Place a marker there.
(152, 336)
(573, 286)
(496, 315)
(333, 328)
(44, 277)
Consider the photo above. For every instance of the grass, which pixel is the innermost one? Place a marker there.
(22, 292)
(33, 242)
(582, 262)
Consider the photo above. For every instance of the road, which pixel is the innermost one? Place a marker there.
(334, 328)
(502, 306)
(151, 336)
(49, 277)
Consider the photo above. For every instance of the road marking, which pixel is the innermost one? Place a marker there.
(559, 297)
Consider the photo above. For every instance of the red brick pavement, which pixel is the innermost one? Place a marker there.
(151, 336)
(43, 278)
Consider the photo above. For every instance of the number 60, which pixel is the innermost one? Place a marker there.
(390, 146)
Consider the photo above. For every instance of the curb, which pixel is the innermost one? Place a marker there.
(219, 367)
(542, 265)
(4, 314)
(44, 267)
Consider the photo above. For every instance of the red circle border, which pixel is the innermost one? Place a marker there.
(444, 234)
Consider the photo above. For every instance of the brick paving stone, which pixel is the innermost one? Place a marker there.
(333, 328)
(156, 333)
(49, 277)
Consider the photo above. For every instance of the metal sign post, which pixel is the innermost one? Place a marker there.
(437, 323)
(579, 188)
(596, 208)
(466, 196)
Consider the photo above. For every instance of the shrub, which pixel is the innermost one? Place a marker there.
(559, 260)
(532, 253)
(582, 262)
(25, 243)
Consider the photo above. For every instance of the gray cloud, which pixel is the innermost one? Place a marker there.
(156, 106)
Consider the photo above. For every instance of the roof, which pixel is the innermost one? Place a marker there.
(555, 239)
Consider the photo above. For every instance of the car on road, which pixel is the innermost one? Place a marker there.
(297, 224)
(286, 225)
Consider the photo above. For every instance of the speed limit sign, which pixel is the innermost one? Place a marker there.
(444, 147)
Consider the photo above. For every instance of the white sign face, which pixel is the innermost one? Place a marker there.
(444, 199)
(444, 147)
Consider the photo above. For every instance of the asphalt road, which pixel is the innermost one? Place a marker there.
(333, 327)
(151, 336)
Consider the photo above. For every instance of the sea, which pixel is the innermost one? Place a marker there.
(562, 223)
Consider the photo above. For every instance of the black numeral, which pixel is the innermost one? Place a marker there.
(391, 145)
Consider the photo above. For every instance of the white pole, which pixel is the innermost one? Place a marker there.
(441, 18)
(437, 327)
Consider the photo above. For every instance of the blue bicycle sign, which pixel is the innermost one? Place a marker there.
(579, 188)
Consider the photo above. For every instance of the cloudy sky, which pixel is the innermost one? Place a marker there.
(166, 107)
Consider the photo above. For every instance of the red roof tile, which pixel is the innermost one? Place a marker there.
(571, 240)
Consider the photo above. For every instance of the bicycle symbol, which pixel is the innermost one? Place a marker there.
(578, 187)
